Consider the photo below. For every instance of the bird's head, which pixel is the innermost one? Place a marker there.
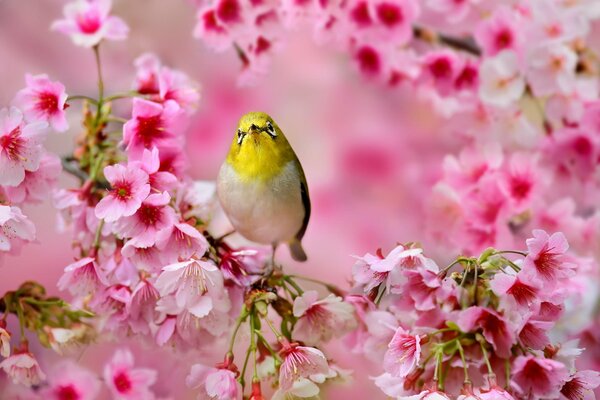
(259, 147)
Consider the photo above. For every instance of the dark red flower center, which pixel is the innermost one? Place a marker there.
(547, 263)
(441, 68)
(89, 22)
(66, 392)
(360, 14)
(368, 60)
(504, 39)
(47, 102)
(573, 390)
(122, 190)
(229, 11)
(389, 14)
(13, 144)
(122, 382)
(522, 292)
(520, 187)
(150, 215)
(210, 22)
(149, 129)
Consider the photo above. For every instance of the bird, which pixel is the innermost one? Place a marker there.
(262, 187)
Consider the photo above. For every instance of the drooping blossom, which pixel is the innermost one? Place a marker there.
(216, 383)
(580, 385)
(20, 146)
(495, 328)
(545, 259)
(300, 362)
(69, 381)
(4, 340)
(82, 277)
(37, 184)
(539, 377)
(23, 369)
(141, 307)
(129, 188)
(43, 100)
(180, 241)
(159, 181)
(403, 354)
(125, 381)
(321, 320)
(15, 229)
(88, 22)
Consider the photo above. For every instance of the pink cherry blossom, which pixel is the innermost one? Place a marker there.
(4, 340)
(501, 80)
(580, 385)
(395, 19)
(242, 266)
(143, 256)
(20, 146)
(494, 392)
(545, 259)
(153, 215)
(15, 229)
(181, 240)
(88, 22)
(300, 362)
(441, 69)
(321, 320)
(67, 380)
(43, 100)
(539, 377)
(160, 181)
(151, 126)
(37, 184)
(499, 32)
(147, 68)
(196, 284)
(552, 70)
(216, 383)
(140, 308)
(495, 328)
(519, 287)
(23, 369)
(403, 354)
(82, 277)
(125, 381)
(129, 188)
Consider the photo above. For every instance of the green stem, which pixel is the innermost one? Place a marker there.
(485, 357)
(332, 288)
(36, 302)
(126, 95)
(268, 346)
(81, 97)
(238, 323)
(289, 280)
(440, 331)
(97, 238)
(278, 335)
(521, 253)
(21, 318)
(100, 80)
(464, 361)
(438, 369)
(113, 118)
(243, 373)
(253, 345)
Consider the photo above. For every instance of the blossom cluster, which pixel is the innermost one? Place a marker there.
(478, 328)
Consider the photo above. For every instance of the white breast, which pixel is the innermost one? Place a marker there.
(263, 212)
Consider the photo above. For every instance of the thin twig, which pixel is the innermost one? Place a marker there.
(466, 44)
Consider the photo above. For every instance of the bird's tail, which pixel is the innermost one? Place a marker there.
(297, 251)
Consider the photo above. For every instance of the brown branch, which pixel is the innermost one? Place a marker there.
(466, 44)
(71, 166)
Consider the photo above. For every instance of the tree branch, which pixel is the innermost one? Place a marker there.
(466, 44)
(71, 166)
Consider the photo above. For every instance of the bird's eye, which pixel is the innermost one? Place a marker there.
(240, 136)
(270, 129)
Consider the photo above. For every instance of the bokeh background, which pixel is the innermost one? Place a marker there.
(370, 154)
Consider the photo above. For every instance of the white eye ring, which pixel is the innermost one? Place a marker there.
(270, 129)
(241, 136)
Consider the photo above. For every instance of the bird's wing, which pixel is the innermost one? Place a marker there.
(306, 203)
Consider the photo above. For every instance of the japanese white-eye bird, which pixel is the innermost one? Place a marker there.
(262, 187)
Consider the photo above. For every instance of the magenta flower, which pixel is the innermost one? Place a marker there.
(20, 146)
(216, 383)
(321, 320)
(151, 126)
(160, 181)
(129, 187)
(43, 100)
(126, 382)
(403, 354)
(300, 362)
(180, 241)
(545, 259)
(153, 215)
(533, 333)
(580, 385)
(82, 277)
(500, 32)
(496, 329)
(23, 369)
(37, 184)
(519, 287)
(15, 228)
(69, 381)
(88, 22)
(147, 68)
(538, 377)
(242, 266)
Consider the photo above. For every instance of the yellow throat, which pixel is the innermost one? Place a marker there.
(259, 150)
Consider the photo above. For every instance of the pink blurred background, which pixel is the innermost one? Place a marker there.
(367, 150)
